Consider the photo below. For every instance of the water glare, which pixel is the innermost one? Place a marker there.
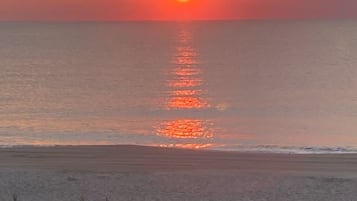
(186, 93)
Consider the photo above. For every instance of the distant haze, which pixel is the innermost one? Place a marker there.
(72, 10)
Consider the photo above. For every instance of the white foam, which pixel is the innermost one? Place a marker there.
(244, 148)
(289, 149)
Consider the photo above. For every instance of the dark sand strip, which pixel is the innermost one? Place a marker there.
(134, 173)
(150, 159)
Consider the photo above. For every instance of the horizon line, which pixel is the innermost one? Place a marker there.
(176, 21)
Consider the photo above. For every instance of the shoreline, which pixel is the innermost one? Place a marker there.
(70, 173)
(257, 149)
(123, 158)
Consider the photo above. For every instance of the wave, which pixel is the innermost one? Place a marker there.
(289, 149)
(235, 148)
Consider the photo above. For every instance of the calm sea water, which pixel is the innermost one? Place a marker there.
(228, 85)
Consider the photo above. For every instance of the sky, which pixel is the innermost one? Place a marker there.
(108, 10)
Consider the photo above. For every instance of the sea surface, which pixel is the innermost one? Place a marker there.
(276, 86)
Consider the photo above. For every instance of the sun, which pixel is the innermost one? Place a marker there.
(183, 1)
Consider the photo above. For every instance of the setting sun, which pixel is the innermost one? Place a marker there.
(183, 1)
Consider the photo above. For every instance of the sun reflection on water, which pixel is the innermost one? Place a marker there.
(186, 129)
(186, 85)
(186, 92)
(186, 146)
(187, 102)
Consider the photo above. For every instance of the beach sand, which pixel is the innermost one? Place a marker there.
(131, 173)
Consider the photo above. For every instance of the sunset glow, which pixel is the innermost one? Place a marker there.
(183, 1)
(73, 10)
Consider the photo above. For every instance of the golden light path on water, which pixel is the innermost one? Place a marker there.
(187, 129)
(186, 93)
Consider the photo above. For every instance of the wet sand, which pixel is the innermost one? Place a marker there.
(146, 173)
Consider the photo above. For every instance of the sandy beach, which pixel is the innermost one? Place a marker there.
(146, 173)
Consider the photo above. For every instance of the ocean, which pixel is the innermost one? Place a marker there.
(270, 86)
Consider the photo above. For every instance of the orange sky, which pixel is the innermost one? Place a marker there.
(171, 10)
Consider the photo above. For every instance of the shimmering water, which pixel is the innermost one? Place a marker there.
(194, 85)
